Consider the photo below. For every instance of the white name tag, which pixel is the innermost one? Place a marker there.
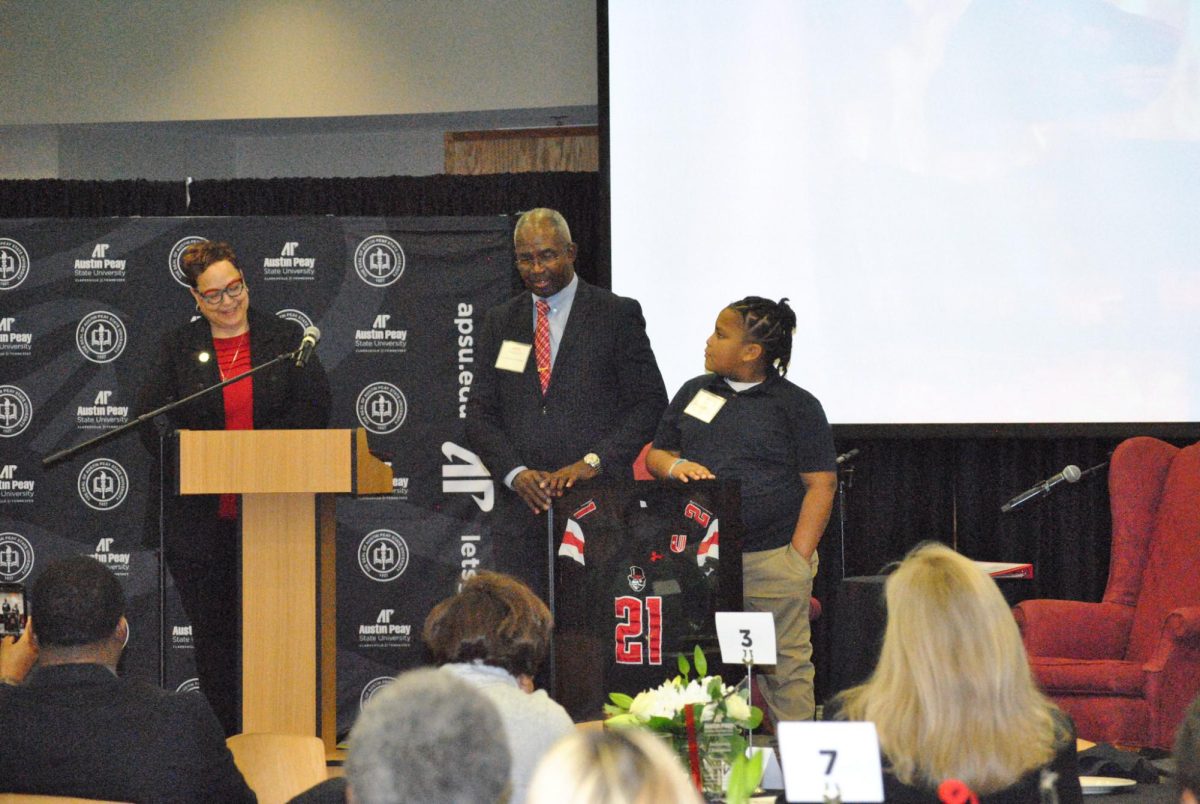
(746, 636)
(513, 356)
(818, 756)
(704, 406)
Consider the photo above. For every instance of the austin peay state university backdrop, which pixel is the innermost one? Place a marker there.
(83, 303)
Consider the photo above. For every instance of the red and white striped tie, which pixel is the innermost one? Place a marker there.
(541, 343)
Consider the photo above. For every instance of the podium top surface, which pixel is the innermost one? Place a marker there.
(279, 462)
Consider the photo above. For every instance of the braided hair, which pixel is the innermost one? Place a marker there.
(771, 325)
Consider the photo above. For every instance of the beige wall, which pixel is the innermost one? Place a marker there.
(91, 61)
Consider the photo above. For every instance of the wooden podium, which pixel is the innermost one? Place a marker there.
(289, 637)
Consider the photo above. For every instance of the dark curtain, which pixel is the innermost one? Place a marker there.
(575, 195)
(57, 198)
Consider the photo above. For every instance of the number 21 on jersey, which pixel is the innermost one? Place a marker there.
(639, 630)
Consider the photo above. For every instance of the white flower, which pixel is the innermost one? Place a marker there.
(737, 708)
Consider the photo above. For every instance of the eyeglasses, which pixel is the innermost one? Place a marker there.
(544, 257)
(213, 297)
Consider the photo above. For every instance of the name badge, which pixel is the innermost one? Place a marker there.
(704, 406)
(513, 356)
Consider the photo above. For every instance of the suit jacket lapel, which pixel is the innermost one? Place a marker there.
(573, 334)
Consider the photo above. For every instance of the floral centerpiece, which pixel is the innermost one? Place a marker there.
(706, 722)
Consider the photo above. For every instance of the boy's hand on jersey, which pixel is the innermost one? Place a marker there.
(530, 486)
(690, 470)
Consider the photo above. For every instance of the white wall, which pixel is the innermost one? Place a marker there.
(157, 89)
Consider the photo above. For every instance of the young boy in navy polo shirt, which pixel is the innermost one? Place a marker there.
(744, 421)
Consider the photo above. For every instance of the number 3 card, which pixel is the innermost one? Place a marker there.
(746, 636)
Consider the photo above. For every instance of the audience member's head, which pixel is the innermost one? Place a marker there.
(952, 695)
(611, 766)
(1187, 755)
(80, 611)
(495, 619)
(427, 737)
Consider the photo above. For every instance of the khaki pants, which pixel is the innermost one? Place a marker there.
(779, 581)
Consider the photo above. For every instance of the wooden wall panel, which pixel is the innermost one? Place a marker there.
(523, 150)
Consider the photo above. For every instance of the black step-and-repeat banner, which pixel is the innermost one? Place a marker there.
(83, 303)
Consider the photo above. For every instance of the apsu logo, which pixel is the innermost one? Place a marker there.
(103, 484)
(176, 252)
(383, 555)
(15, 411)
(379, 261)
(14, 263)
(381, 407)
(16, 557)
(100, 337)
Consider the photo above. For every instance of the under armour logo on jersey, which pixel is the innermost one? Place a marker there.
(656, 556)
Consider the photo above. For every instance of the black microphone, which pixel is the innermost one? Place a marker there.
(309, 342)
(846, 457)
(1071, 474)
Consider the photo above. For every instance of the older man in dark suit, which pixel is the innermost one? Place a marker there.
(74, 728)
(568, 388)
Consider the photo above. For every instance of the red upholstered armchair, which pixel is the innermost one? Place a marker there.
(1126, 668)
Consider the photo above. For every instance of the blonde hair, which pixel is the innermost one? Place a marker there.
(611, 766)
(953, 696)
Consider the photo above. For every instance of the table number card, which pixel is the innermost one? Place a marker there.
(746, 636)
(816, 756)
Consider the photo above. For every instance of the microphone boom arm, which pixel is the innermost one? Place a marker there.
(91, 443)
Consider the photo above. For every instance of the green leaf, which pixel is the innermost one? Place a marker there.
(659, 723)
(621, 699)
(744, 776)
(684, 668)
(756, 718)
(716, 689)
(701, 662)
(622, 721)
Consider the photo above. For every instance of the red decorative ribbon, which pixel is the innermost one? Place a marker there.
(689, 719)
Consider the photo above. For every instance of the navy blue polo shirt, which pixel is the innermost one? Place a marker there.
(765, 436)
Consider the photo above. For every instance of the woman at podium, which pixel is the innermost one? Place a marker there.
(199, 533)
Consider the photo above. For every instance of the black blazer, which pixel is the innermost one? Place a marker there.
(606, 393)
(285, 397)
(78, 730)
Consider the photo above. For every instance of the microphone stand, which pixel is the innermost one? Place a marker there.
(67, 454)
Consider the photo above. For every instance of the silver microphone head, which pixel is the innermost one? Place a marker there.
(1071, 473)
